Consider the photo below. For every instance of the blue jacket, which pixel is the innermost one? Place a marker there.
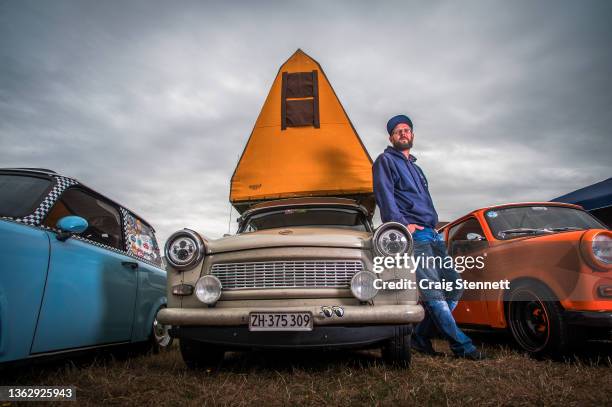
(401, 190)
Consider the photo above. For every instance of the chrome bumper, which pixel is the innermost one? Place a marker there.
(353, 315)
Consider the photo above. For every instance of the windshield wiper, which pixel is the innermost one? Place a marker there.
(529, 231)
(562, 229)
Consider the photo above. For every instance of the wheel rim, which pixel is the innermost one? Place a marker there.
(529, 320)
(161, 333)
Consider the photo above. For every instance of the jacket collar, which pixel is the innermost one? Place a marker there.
(391, 150)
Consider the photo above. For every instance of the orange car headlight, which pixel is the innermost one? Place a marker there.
(602, 248)
(596, 247)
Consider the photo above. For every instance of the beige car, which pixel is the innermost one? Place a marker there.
(298, 274)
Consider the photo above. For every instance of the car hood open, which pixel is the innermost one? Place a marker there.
(292, 237)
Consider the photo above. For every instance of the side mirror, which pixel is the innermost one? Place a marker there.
(70, 225)
(474, 236)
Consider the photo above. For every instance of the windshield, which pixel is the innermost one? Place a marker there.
(509, 223)
(313, 217)
(19, 195)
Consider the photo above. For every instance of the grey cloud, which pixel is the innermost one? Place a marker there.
(151, 103)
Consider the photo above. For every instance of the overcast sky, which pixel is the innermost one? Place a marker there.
(151, 103)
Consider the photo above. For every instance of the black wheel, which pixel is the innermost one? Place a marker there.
(535, 319)
(197, 355)
(397, 350)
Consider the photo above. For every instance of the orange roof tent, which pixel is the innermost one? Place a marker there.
(303, 143)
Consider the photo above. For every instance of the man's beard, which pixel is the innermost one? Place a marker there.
(403, 145)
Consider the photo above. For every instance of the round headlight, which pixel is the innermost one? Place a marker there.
(362, 285)
(208, 289)
(184, 249)
(596, 249)
(391, 239)
(602, 248)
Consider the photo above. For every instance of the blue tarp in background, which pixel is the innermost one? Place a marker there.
(594, 196)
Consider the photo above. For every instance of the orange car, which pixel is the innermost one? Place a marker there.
(558, 261)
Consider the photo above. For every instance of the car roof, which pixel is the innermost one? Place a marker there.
(34, 170)
(304, 202)
(44, 171)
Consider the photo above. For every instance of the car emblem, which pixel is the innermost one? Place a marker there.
(285, 232)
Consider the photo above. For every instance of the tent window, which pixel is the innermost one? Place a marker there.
(300, 113)
(300, 100)
(299, 85)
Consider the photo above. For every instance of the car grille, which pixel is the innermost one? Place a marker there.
(286, 274)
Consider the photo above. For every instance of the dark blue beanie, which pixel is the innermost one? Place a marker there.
(395, 120)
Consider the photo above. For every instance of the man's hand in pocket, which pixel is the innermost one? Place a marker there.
(412, 227)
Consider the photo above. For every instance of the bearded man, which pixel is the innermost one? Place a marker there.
(402, 195)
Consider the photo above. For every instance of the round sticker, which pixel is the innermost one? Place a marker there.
(492, 214)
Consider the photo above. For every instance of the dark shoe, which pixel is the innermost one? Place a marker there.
(426, 350)
(474, 355)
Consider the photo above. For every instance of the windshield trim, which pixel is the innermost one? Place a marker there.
(243, 221)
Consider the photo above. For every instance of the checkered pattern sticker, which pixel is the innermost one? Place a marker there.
(124, 217)
(36, 218)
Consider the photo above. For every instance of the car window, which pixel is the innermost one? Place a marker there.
(466, 237)
(519, 221)
(604, 215)
(20, 195)
(140, 240)
(311, 217)
(103, 219)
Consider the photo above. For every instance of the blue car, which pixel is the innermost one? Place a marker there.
(77, 270)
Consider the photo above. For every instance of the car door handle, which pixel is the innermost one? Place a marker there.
(131, 264)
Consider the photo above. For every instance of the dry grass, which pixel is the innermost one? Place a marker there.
(331, 378)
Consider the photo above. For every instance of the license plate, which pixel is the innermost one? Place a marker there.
(280, 321)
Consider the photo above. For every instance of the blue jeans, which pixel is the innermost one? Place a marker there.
(439, 304)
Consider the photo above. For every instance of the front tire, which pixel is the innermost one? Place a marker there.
(397, 350)
(197, 355)
(535, 319)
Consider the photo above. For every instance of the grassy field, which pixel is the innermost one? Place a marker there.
(332, 378)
